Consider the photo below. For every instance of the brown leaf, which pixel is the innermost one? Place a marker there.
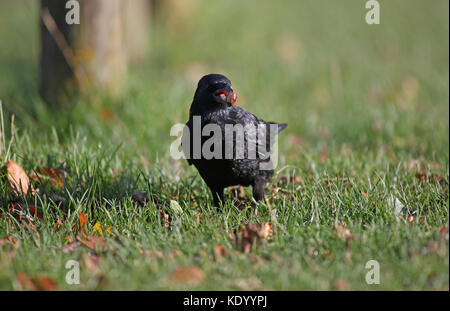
(341, 285)
(25, 282)
(151, 254)
(443, 233)
(343, 232)
(69, 248)
(43, 283)
(251, 283)
(220, 252)
(13, 241)
(93, 242)
(46, 284)
(251, 233)
(435, 247)
(18, 180)
(191, 275)
(54, 176)
(83, 222)
(91, 262)
(256, 260)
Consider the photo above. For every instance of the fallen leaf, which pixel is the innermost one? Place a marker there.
(435, 247)
(191, 275)
(69, 248)
(18, 180)
(251, 283)
(256, 260)
(343, 232)
(46, 284)
(25, 282)
(199, 217)
(220, 252)
(443, 233)
(83, 222)
(93, 242)
(43, 283)
(246, 236)
(91, 262)
(341, 285)
(151, 254)
(54, 176)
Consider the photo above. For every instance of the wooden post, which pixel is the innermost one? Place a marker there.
(85, 57)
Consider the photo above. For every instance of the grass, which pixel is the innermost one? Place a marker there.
(367, 107)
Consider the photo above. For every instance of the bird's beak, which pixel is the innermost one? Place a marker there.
(226, 95)
(232, 97)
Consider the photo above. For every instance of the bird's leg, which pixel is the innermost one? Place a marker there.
(258, 192)
(258, 189)
(217, 193)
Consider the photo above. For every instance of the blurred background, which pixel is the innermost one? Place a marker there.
(128, 72)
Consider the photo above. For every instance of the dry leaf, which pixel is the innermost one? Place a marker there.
(93, 242)
(251, 283)
(54, 176)
(191, 275)
(443, 233)
(341, 285)
(151, 254)
(343, 232)
(70, 247)
(91, 262)
(43, 283)
(83, 222)
(256, 260)
(18, 180)
(220, 252)
(251, 233)
(46, 284)
(25, 282)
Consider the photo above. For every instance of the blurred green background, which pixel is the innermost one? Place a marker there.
(316, 65)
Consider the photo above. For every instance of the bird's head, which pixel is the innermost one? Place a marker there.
(215, 91)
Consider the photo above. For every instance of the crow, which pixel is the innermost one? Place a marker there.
(243, 143)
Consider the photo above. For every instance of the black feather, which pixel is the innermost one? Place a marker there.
(224, 172)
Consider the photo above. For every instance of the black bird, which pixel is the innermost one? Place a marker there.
(247, 160)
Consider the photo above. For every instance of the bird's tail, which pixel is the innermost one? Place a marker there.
(281, 127)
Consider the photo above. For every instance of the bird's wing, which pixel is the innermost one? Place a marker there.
(259, 134)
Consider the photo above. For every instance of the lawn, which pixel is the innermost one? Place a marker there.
(363, 166)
